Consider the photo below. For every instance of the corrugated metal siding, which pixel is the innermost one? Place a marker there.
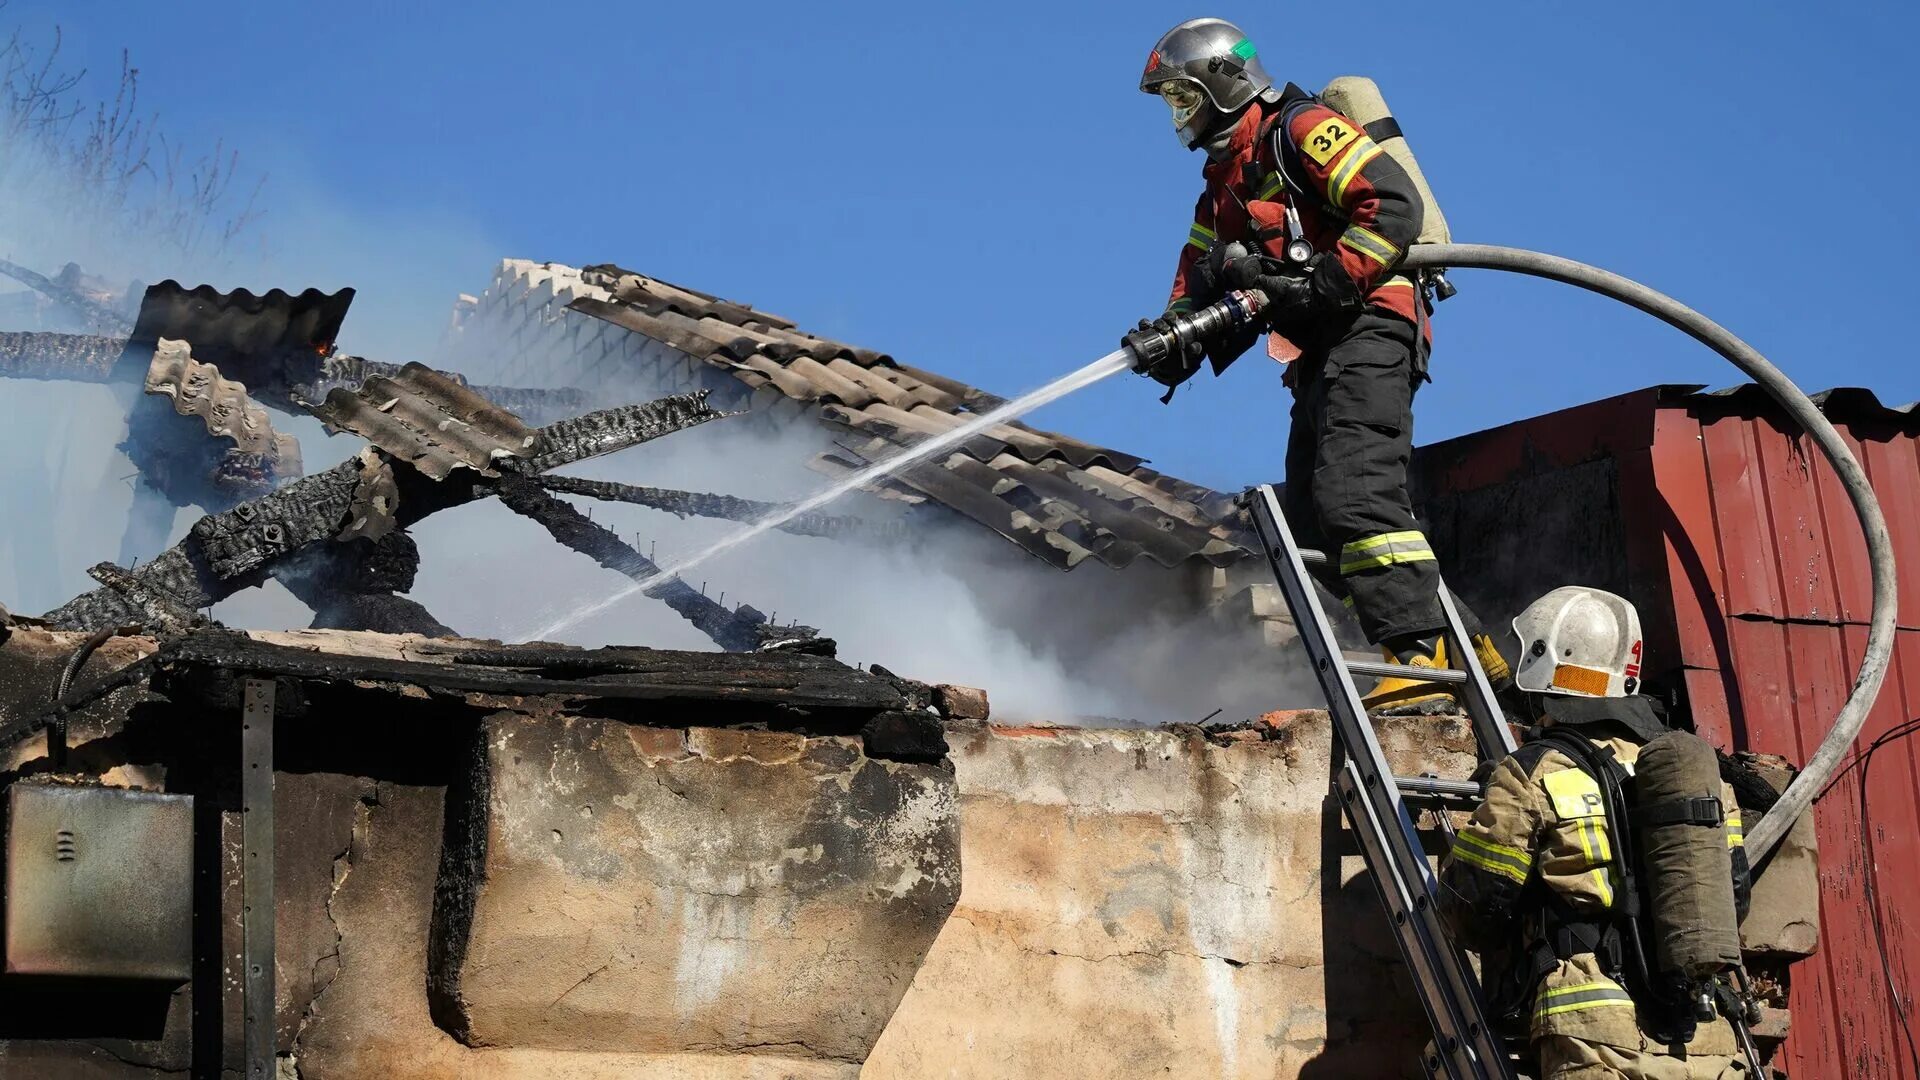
(1766, 568)
(1743, 554)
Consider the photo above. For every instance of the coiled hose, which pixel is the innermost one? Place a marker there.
(1762, 838)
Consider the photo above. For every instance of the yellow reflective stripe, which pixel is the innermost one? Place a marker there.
(1593, 844)
(1395, 282)
(1381, 539)
(1595, 995)
(1200, 236)
(1275, 185)
(1508, 862)
(1385, 549)
(1371, 244)
(1736, 830)
(1357, 157)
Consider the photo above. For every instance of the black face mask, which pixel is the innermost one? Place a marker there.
(1219, 140)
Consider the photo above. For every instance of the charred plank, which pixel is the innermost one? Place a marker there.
(729, 507)
(233, 550)
(736, 631)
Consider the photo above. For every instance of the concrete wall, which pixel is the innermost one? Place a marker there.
(1130, 903)
(1162, 903)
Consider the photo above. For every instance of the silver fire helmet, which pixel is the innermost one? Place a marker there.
(1205, 69)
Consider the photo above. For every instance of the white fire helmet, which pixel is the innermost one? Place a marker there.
(1580, 642)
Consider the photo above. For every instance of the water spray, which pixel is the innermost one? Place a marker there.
(1113, 363)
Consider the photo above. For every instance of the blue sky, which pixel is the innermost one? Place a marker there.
(980, 190)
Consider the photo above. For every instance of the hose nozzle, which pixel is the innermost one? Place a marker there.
(1153, 345)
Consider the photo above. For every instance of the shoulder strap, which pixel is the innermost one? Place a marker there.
(1286, 153)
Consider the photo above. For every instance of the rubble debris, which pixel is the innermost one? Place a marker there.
(375, 497)
(428, 420)
(741, 630)
(229, 551)
(355, 584)
(198, 390)
(703, 504)
(961, 702)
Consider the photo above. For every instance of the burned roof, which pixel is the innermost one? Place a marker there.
(1061, 499)
(335, 677)
(428, 419)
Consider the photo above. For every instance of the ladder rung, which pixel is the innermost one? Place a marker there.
(1404, 671)
(1433, 785)
(1313, 558)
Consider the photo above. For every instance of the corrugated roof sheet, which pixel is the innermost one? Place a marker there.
(197, 389)
(425, 417)
(238, 331)
(1060, 499)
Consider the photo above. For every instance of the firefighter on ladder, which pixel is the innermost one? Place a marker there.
(1535, 885)
(1284, 170)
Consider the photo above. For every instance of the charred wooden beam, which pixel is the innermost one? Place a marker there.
(65, 357)
(608, 430)
(158, 613)
(729, 507)
(744, 630)
(97, 315)
(236, 549)
(355, 584)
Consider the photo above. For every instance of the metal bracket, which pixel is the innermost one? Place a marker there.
(256, 878)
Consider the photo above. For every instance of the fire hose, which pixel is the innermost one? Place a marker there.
(1240, 308)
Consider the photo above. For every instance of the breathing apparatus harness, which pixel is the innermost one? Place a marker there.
(1670, 1002)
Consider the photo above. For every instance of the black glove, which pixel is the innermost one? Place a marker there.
(1301, 298)
(1178, 365)
(1207, 282)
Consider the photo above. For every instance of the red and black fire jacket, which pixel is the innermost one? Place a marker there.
(1353, 198)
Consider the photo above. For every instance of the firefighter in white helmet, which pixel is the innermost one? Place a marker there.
(1543, 880)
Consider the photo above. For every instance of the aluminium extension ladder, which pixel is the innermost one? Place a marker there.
(1464, 1045)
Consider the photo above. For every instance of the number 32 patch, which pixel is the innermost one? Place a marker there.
(1328, 138)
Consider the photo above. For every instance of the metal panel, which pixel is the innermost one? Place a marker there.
(256, 878)
(1775, 653)
(99, 882)
(1751, 575)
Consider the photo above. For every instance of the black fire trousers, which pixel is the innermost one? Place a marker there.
(1347, 475)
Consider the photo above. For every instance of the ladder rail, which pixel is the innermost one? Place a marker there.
(1465, 1045)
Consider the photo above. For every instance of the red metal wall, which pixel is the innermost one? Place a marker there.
(1748, 565)
(1767, 572)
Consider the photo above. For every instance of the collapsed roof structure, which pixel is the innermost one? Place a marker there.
(215, 367)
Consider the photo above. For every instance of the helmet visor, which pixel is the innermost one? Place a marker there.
(1183, 98)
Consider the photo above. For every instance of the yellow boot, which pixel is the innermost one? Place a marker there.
(1411, 693)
